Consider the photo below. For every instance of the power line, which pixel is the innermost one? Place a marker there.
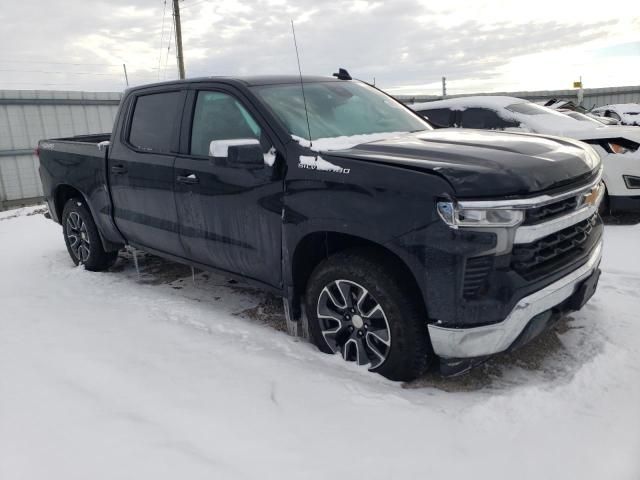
(171, 39)
(164, 13)
(195, 4)
(63, 73)
(62, 63)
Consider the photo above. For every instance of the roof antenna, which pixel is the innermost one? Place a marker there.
(304, 99)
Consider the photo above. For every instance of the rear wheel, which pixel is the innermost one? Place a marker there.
(363, 309)
(82, 238)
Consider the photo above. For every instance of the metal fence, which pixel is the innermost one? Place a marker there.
(593, 97)
(27, 116)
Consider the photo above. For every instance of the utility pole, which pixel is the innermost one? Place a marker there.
(444, 87)
(126, 77)
(581, 92)
(176, 19)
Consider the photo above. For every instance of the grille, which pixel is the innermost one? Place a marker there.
(535, 259)
(546, 212)
(476, 271)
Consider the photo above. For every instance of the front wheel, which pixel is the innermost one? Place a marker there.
(364, 309)
(82, 238)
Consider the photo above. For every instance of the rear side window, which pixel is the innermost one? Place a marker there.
(484, 119)
(438, 117)
(154, 117)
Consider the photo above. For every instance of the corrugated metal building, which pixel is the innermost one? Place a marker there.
(27, 116)
(593, 97)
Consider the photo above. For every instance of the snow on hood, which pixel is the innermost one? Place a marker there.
(344, 142)
(551, 122)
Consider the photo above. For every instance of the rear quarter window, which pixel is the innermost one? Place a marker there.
(153, 122)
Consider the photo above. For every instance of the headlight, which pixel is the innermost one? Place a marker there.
(455, 217)
(617, 148)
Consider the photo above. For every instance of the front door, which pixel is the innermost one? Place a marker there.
(230, 215)
(141, 175)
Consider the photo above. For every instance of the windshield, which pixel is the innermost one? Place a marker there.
(582, 118)
(530, 108)
(337, 109)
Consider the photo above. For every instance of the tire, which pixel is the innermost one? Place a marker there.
(391, 340)
(82, 238)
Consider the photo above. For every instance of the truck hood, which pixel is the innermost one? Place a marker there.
(481, 163)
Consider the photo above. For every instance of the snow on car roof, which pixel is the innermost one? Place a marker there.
(622, 107)
(462, 103)
(531, 117)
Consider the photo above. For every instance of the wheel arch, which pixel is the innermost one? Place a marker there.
(315, 247)
(65, 192)
(62, 194)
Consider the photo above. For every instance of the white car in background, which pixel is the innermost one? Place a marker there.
(625, 113)
(617, 145)
(569, 108)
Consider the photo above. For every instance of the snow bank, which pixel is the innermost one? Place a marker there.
(105, 377)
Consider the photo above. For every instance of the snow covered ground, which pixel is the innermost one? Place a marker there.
(107, 376)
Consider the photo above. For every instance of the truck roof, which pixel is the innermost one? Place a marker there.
(249, 81)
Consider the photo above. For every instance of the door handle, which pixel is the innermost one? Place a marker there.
(118, 169)
(190, 179)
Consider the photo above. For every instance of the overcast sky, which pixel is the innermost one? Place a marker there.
(406, 45)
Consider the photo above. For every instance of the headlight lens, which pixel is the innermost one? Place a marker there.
(617, 148)
(455, 216)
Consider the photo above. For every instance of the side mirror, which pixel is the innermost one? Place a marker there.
(240, 152)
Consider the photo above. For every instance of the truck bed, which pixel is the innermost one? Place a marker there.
(79, 162)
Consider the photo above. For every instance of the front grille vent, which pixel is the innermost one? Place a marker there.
(476, 271)
(548, 212)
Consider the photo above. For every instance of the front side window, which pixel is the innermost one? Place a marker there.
(337, 109)
(438, 117)
(153, 122)
(219, 116)
(484, 119)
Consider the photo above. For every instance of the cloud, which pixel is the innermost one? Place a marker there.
(400, 42)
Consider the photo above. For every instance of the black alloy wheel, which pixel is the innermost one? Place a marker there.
(353, 323)
(79, 242)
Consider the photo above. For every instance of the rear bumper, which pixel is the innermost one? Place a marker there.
(460, 343)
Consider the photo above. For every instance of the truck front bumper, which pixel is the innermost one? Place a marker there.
(475, 342)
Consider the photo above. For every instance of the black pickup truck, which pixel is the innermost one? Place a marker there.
(393, 243)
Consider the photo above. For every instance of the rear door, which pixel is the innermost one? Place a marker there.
(229, 215)
(140, 169)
